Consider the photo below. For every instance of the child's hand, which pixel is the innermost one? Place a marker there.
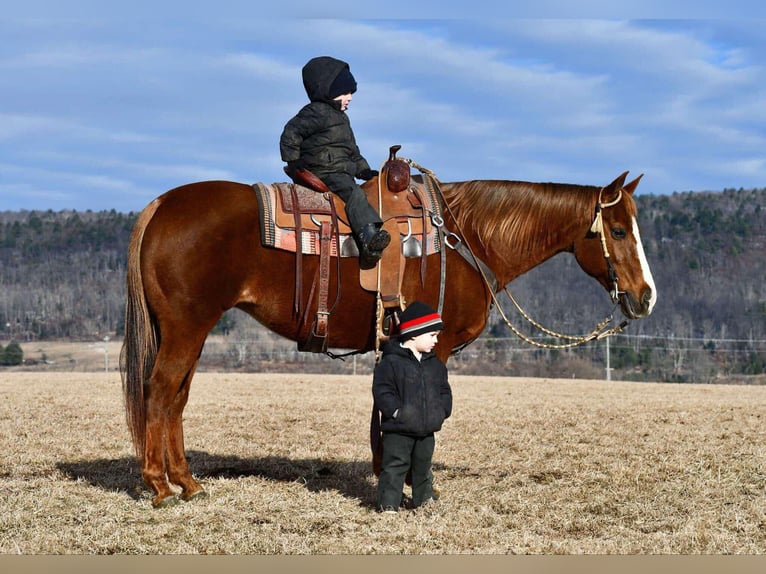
(295, 165)
(367, 174)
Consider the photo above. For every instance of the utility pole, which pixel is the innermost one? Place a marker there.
(106, 354)
(608, 365)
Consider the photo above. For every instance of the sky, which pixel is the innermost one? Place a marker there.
(108, 109)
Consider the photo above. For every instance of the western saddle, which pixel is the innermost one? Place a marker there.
(309, 220)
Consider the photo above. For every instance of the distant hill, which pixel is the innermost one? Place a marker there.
(62, 276)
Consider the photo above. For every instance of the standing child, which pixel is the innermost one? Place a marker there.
(411, 389)
(319, 139)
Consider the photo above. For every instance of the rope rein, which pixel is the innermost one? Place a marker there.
(379, 308)
(599, 332)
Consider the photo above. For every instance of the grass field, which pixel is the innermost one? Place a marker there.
(525, 466)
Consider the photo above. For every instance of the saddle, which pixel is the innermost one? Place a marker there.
(308, 219)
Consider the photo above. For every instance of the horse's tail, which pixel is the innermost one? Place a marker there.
(139, 348)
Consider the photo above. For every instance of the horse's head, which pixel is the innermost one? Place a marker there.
(612, 252)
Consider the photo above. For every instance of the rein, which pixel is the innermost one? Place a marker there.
(490, 281)
(576, 340)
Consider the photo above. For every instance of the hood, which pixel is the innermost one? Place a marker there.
(319, 74)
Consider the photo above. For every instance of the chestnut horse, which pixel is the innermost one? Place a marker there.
(196, 251)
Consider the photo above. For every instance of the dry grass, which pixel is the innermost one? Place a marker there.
(525, 466)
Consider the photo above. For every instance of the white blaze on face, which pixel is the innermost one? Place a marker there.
(647, 273)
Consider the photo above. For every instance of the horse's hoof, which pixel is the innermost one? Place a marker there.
(196, 495)
(166, 502)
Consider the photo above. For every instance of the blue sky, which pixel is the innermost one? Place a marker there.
(107, 110)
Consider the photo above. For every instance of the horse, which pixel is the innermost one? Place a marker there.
(196, 251)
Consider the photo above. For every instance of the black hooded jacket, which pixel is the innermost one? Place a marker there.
(418, 390)
(320, 134)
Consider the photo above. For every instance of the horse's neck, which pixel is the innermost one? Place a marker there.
(515, 226)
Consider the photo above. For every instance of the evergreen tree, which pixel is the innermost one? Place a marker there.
(12, 354)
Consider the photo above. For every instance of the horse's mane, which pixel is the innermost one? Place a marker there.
(516, 211)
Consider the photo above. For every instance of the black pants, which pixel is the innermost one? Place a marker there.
(358, 209)
(400, 454)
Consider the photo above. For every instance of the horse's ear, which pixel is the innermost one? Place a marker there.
(618, 182)
(631, 187)
(610, 191)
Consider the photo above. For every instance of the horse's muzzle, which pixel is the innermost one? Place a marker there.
(634, 308)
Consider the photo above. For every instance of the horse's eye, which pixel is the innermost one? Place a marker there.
(619, 233)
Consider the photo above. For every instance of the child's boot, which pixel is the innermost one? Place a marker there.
(372, 241)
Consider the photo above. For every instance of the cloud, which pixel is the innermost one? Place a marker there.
(14, 126)
(261, 66)
(136, 105)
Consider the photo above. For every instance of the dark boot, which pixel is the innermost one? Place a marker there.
(372, 241)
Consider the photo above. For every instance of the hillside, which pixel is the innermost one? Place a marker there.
(62, 277)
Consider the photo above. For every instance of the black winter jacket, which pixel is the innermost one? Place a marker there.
(419, 390)
(320, 134)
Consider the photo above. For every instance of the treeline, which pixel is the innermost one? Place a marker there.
(62, 276)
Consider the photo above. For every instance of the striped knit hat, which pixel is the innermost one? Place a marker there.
(418, 318)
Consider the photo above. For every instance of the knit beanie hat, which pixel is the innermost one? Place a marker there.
(418, 318)
(344, 83)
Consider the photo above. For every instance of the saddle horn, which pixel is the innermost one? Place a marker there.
(397, 172)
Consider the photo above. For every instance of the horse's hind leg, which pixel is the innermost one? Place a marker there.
(158, 395)
(178, 465)
(166, 396)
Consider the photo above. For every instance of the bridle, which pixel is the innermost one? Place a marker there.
(597, 227)
(490, 281)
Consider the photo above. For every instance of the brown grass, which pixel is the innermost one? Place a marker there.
(525, 466)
